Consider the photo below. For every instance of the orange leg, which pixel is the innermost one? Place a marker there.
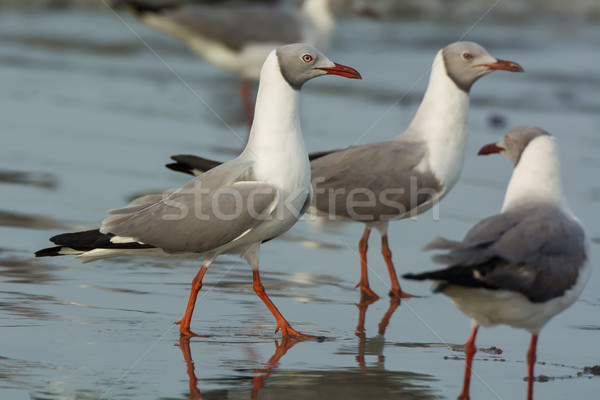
(184, 323)
(286, 330)
(245, 89)
(363, 284)
(387, 256)
(531, 357)
(184, 344)
(470, 350)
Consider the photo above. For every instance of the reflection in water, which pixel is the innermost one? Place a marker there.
(360, 328)
(25, 305)
(184, 345)
(346, 383)
(258, 381)
(333, 381)
(16, 373)
(8, 218)
(38, 179)
(26, 270)
(394, 303)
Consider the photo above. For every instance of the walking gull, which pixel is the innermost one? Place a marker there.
(237, 205)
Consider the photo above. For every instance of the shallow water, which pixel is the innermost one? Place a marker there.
(90, 115)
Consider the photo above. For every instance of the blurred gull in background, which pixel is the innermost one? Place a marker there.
(239, 38)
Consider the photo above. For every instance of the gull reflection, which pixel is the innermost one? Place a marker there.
(383, 324)
(258, 381)
(184, 345)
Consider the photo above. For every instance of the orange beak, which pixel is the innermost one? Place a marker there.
(342, 70)
(505, 65)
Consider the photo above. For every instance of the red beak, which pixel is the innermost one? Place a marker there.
(505, 65)
(489, 149)
(342, 70)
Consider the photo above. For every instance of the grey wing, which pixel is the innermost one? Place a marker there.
(235, 27)
(139, 203)
(477, 246)
(536, 250)
(206, 213)
(374, 181)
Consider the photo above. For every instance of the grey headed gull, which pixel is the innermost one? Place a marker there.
(237, 205)
(239, 38)
(525, 265)
(379, 182)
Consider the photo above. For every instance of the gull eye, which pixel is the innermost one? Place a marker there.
(307, 58)
(467, 56)
(507, 140)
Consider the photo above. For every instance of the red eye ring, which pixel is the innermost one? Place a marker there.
(307, 58)
(467, 56)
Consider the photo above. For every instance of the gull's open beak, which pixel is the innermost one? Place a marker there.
(342, 70)
(490, 149)
(505, 66)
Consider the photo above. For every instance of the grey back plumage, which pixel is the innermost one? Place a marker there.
(537, 250)
(380, 190)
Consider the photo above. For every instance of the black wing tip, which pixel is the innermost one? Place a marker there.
(49, 252)
(86, 241)
(70, 238)
(415, 277)
(182, 157)
(456, 275)
(180, 167)
(190, 164)
(318, 154)
(140, 7)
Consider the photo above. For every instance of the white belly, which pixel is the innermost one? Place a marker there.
(492, 307)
